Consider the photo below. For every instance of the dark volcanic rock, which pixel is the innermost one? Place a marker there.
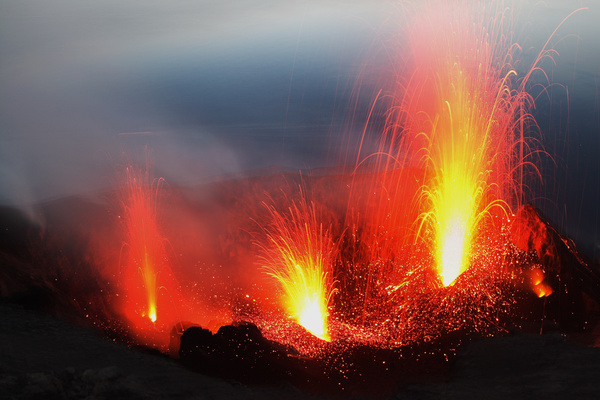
(236, 351)
(241, 352)
(575, 280)
(16, 230)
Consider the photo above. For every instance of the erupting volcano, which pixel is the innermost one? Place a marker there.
(460, 111)
(427, 248)
(377, 268)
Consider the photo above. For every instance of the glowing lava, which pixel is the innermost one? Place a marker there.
(539, 287)
(299, 257)
(463, 103)
(453, 251)
(145, 246)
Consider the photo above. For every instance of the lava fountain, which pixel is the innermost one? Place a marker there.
(465, 102)
(299, 256)
(145, 247)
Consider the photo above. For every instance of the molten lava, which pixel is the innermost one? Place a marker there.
(145, 247)
(426, 243)
(539, 287)
(461, 101)
(299, 256)
(453, 251)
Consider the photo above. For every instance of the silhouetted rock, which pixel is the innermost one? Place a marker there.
(575, 280)
(236, 351)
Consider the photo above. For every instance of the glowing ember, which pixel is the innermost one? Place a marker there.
(299, 257)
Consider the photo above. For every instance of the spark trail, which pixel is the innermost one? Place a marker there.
(469, 109)
(145, 247)
(299, 257)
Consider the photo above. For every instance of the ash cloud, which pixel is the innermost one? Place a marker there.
(223, 87)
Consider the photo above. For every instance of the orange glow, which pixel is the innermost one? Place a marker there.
(145, 246)
(299, 257)
(421, 245)
(537, 276)
(540, 288)
(464, 107)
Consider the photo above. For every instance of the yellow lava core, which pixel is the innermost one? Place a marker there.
(455, 203)
(149, 278)
(310, 310)
(306, 295)
(461, 158)
(464, 107)
(453, 253)
(312, 318)
(145, 246)
(298, 257)
(152, 314)
(455, 197)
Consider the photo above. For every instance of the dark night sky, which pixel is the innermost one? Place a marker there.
(232, 86)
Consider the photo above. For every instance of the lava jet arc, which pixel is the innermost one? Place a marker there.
(298, 256)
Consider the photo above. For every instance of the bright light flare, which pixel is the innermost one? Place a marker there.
(312, 310)
(299, 257)
(453, 251)
(152, 314)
